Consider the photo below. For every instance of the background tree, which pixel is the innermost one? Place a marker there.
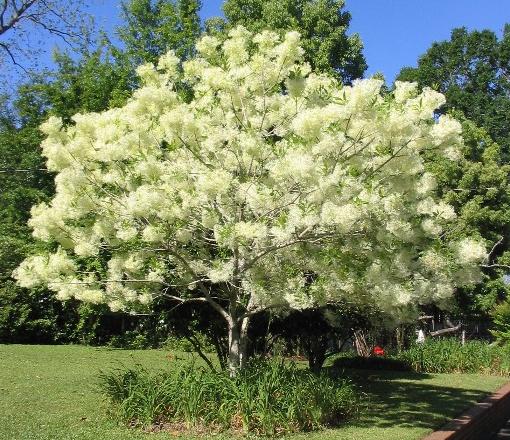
(316, 332)
(24, 182)
(478, 186)
(22, 22)
(152, 27)
(322, 24)
(472, 69)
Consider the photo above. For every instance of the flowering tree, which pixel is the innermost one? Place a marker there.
(272, 187)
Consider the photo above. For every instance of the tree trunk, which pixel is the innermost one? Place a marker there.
(237, 344)
(315, 349)
(361, 344)
(400, 334)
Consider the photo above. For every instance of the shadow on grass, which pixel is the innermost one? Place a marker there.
(399, 399)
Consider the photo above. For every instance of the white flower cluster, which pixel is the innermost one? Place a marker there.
(280, 185)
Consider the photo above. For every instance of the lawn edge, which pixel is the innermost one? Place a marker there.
(480, 421)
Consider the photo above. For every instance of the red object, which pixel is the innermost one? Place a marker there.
(378, 351)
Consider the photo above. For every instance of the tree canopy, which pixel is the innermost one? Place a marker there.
(273, 187)
(472, 70)
(322, 24)
(152, 27)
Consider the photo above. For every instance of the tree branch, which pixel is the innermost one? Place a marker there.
(202, 287)
(496, 266)
(11, 56)
(489, 255)
(16, 16)
(198, 348)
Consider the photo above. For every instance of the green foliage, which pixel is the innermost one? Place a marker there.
(267, 397)
(99, 80)
(322, 24)
(23, 182)
(183, 344)
(30, 315)
(478, 187)
(437, 356)
(471, 69)
(131, 340)
(450, 356)
(446, 355)
(188, 327)
(501, 323)
(309, 331)
(34, 315)
(152, 27)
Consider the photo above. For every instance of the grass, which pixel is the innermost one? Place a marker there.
(267, 397)
(449, 355)
(50, 393)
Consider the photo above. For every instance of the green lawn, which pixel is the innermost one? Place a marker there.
(49, 393)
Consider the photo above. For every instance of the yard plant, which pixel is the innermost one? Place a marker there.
(273, 187)
(451, 356)
(447, 355)
(266, 397)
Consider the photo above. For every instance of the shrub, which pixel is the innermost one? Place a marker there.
(501, 322)
(266, 398)
(450, 356)
(371, 363)
(179, 343)
(438, 356)
(131, 340)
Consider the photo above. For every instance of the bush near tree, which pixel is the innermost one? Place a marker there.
(266, 398)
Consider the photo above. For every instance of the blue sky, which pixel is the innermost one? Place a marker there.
(395, 32)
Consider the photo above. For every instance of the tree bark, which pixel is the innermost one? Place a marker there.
(316, 347)
(237, 344)
(361, 344)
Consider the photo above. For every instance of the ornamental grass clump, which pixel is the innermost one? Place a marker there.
(450, 356)
(265, 398)
(446, 355)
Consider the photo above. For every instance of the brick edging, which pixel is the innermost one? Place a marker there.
(479, 422)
